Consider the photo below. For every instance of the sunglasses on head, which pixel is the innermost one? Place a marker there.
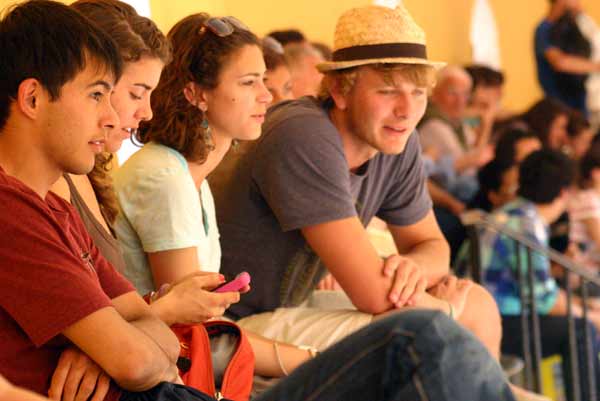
(222, 26)
(272, 44)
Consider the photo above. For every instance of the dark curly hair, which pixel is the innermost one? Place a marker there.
(198, 56)
(541, 115)
(544, 174)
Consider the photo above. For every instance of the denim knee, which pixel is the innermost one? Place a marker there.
(442, 360)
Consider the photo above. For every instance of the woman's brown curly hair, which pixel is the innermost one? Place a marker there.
(199, 56)
(136, 37)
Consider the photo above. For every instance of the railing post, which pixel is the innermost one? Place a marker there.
(587, 338)
(525, 335)
(535, 325)
(475, 253)
(526, 276)
(575, 386)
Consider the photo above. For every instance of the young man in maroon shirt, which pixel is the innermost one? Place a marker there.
(56, 290)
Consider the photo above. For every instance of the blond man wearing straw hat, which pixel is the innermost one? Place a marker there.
(323, 168)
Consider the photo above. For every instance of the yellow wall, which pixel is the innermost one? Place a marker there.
(167, 12)
(445, 21)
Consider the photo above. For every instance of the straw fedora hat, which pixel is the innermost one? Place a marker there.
(377, 34)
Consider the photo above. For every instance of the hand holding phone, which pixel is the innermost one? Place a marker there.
(239, 282)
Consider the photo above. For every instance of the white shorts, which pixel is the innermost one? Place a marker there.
(317, 327)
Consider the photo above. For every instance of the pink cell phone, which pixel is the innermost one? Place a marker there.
(239, 282)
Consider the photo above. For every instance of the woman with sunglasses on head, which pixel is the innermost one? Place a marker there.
(211, 94)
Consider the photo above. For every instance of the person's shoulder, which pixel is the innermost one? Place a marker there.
(516, 207)
(543, 26)
(584, 200)
(299, 124)
(152, 160)
(542, 30)
(156, 155)
(301, 107)
(19, 200)
(523, 214)
(434, 127)
(303, 119)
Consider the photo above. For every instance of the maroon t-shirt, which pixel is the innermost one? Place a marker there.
(51, 276)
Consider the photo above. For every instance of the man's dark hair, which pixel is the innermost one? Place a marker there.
(484, 76)
(577, 123)
(507, 144)
(52, 43)
(490, 175)
(288, 36)
(544, 174)
(490, 179)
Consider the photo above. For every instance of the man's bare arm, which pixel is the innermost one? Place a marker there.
(127, 341)
(424, 243)
(8, 392)
(344, 247)
(564, 62)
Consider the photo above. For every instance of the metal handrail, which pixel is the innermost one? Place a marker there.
(481, 218)
(531, 342)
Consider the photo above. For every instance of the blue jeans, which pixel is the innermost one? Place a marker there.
(410, 356)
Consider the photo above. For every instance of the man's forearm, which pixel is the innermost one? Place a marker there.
(160, 334)
(433, 256)
(160, 346)
(162, 349)
(575, 65)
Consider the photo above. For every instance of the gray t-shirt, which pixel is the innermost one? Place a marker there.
(296, 175)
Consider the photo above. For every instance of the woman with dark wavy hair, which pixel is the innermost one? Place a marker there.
(211, 95)
(548, 119)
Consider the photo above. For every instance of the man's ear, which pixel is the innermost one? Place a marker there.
(195, 95)
(339, 98)
(595, 174)
(29, 97)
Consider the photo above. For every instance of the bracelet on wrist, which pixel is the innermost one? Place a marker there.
(278, 357)
(312, 351)
(451, 312)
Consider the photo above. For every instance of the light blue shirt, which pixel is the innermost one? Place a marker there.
(161, 210)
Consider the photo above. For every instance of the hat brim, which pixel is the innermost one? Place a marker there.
(340, 65)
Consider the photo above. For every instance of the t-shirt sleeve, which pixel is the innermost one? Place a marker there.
(542, 39)
(47, 281)
(407, 201)
(438, 135)
(113, 283)
(163, 207)
(302, 173)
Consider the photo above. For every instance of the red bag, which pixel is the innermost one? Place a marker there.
(195, 362)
